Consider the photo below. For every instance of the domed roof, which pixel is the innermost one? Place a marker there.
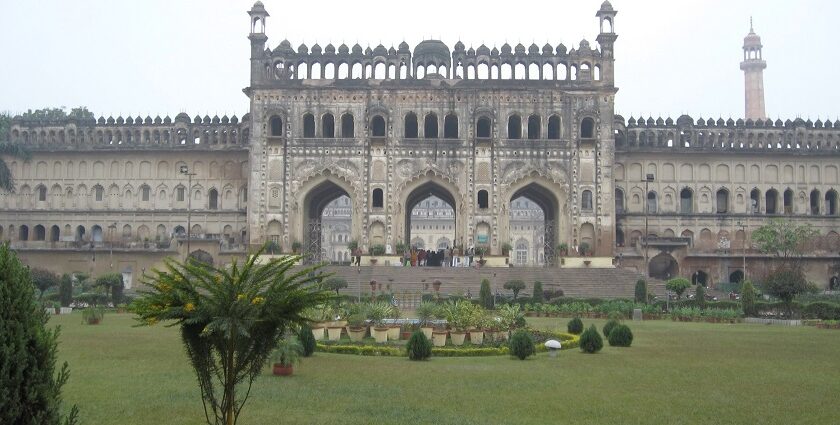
(432, 48)
(302, 49)
(380, 50)
(284, 47)
(584, 45)
(547, 49)
(533, 49)
(483, 50)
(316, 49)
(752, 39)
(403, 46)
(519, 48)
(343, 49)
(330, 49)
(459, 46)
(357, 50)
(606, 6)
(506, 49)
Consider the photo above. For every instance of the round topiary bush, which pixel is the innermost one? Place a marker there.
(522, 344)
(307, 340)
(419, 347)
(611, 324)
(575, 326)
(590, 341)
(620, 336)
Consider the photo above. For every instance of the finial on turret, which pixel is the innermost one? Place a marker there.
(751, 25)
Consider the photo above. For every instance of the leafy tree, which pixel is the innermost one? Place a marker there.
(231, 318)
(700, 296)
(678, 285)
(538, 292)
(748, 299)
(112, 283)
(30, 390)
(784, 239)
(7, 180)
(65, 290)
(43, 280)
(54, 114)
(515, 286)
(485, 296)
(641, 291)
(785, 284)
(335, 284)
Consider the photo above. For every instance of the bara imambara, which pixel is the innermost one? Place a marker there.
(514, 150)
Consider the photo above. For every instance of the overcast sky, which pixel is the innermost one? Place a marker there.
(166, 56)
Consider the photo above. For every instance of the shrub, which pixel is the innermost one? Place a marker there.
(590, 341)
(538, 292)
(821, 310)
(65, 290)
(307, 340)
(93, 315)
(700, 296)
(515, 286)
(575, 326)
(748, 299)
(609, 327)
(335, 284)
(419, 347)
(29, 383)
(641, 291)
(678, 285)
(522, 344)
(621, 336)
(485, 297)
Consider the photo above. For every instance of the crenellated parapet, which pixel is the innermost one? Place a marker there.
(132, 133)
(760, 136)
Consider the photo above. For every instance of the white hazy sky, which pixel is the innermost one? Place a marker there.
(154, 57)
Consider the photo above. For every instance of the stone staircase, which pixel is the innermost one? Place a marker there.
(575, 282)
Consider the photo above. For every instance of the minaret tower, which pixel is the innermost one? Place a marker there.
(753, 67)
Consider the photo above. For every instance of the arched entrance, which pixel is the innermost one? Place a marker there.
(431, 216)
(540, 208)
(202, 256)
(834, 283)
(324, 206)
(700, 278)
(663, 267)
(737, 276)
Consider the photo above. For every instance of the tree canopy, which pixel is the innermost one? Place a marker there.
(783, 239)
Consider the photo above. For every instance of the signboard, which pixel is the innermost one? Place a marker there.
(482, 238)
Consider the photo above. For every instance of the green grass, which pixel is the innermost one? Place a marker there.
(675, 373)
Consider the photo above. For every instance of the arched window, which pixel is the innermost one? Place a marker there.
(788, 201)
(98, 192)
(619, 200)
(483, 199)
(831, 202)
(328, 126)
(587, 128)
(348, 129)
(771, 199)
(534, 124)
(378, 198)
(815, 202)
(450, 126)
(23, 233)
(651, 202)
(430, 126)
(514, 127)
(214, 199)
(686, 201)
(40, 233)
(180, 194)
(521, 252)
(275, 124)
(308, 125)
(42, 193)
(482, 130)
(586, 200)
(145, 193)
(377, 125)
(411, 126)
(554, 127)
(722, 201)
(755, 197)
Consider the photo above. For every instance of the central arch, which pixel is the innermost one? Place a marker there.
(547, 200)
(424, 190)
(322, 194)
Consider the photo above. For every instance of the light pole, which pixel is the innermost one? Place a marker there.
(744, 249)
(113, 230)
(648, 179)
(186, 171)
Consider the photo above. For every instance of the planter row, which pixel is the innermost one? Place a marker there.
(438, 337)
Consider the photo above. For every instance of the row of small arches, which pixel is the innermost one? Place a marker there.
(532, 128)
(100, 234)
(126, 170)
(181, 136)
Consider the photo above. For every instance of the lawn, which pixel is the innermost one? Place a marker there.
(674, 373)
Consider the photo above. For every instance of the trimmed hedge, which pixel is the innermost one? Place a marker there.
(522, 344)
(575, 326)
(361, 350)
(590, 341)
(609, 327)
(620, 336)
(419, 347)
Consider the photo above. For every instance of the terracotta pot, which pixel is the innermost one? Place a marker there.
(457, 337)
(93, 321)
(393, 333)
(405, 335)
(318, 332)
(334, 332)
(427, 330)
(503, 335)
(439, 338)
(381, 335)
(280, 370)
(357, 334)
(477, 337)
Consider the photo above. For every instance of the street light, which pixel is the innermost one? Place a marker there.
(743, 227)
(186, 171)
(648, 179)
(113, 230)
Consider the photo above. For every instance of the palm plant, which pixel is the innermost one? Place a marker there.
(7, 180)
(288, 351)
(426, 312)
(230, 319)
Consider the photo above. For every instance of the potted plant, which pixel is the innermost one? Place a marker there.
(352, 245)
(459, 318)
(480, 322)
(93, 315)
(506, 248)
(425, 313)
(296, 246)
(377, 312)
(584, 249)
(481, 251)
(393, 327)
(287, 353)
(400, 247)
(357, 328)
(563, 249)
(375, 251)
(436, 284)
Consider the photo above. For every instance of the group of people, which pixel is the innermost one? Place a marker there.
(445, 257)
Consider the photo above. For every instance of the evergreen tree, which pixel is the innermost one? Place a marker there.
(65, 290)
(485, 297)
(30, 390)
(538, 292)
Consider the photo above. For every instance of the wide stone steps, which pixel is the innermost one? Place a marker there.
(575, 282)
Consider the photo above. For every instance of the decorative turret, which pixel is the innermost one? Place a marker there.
(606, 39)
(257, 15)
(753, 67)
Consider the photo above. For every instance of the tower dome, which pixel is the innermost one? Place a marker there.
(432, 49)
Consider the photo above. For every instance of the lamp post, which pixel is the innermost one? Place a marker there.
(743, 227)
(113, 229)
(186, 171)
(648, 179)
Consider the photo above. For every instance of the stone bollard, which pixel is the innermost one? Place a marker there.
(637, 314)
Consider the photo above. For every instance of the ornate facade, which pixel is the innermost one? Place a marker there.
(386, 128)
